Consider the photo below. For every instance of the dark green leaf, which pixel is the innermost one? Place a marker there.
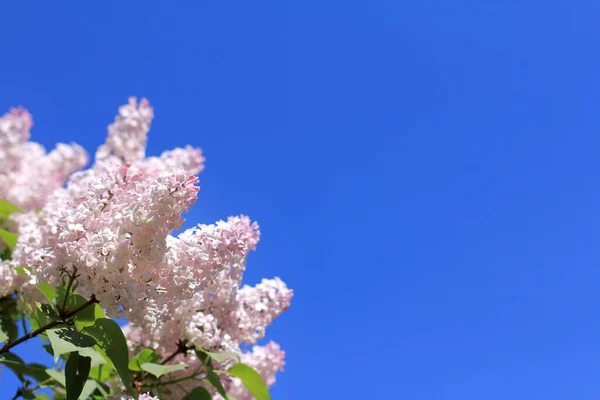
(14, 363)
(66, 340)
(158, 369)
(27, 394)
(96, 357)
(9, 326)
(216, 382)
(36, 371)
(203, 357)
(198, 393)
(86, 315)
(251, 380)
(76, 374)
(112, 342)
(89, 316)
(48, 348)
(144, 356)
(43, 314)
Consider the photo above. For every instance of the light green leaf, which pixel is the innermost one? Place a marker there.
(102, 372)
(251, 380)
(96, 357)
(9, 238)
(7, 208)
(47, 290)
(3, 336)
(144, 356)
(77, 370)
(198, 393)
(220, 357)
(112, 342)
(88, 389)
(216, 382)
(56, 375)
(158, 369)
(66, 340)
(21, 271)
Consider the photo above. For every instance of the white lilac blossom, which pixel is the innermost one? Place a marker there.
(112, 224)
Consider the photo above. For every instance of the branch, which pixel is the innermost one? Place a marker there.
(9, 345)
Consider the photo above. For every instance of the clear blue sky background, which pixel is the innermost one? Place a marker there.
(425, 173)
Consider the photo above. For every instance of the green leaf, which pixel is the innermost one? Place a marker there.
(66, 340)
(56, 375)
(48, 348)
(96, 357)
(158, 369)
(144, 356)
(112, 342)
(43, 314)
(42, 397)
(7, 208)
(203, 356)
(89, 388)
(9, 327)
(102, 373)
(220, 357)
(36, 371)
(86, 315)
(89, 316)
(251, 380)
(216, 382)
(198, 393)
(76, 374)
(47, 290)
(3, 336)
(9, 238)
(14, 363)
(21, 271)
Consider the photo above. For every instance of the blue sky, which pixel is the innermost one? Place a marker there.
(425, 173)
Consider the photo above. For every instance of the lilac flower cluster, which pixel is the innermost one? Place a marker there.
(112, 224)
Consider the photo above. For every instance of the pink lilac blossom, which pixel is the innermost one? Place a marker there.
(125, 396)
(113, 224)
(29, 175)
(266, 360)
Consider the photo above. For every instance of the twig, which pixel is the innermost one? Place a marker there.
(182, 348)
(9, 345)
(71, 281)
